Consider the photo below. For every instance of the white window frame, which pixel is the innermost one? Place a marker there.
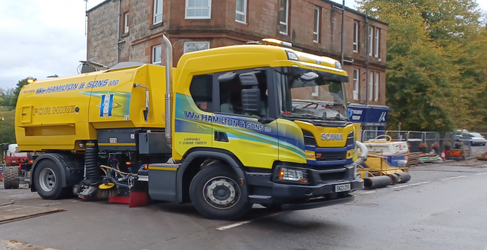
(356, 78)
(315, 91)
(371, 86)
(197, 8)
(186, 44)
(241, 13)
(157, 11)
(376, 87)
(371, 40)
(316, 26)
(377, 36)
(126, 23)
(154, 53)
(287, 18)
(355, 36)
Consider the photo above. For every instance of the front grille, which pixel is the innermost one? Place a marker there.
(332, 156)
(333, 176)
(309, 139)
(349, 139)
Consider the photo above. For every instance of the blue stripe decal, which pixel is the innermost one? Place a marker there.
(329, 163)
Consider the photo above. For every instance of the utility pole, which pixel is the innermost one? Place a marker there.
(343, 24)
(367, 40)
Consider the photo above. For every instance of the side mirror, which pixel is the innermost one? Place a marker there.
(309, 76)
(251, 101)
(227, 77)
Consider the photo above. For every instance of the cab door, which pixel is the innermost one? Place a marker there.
(251, 137)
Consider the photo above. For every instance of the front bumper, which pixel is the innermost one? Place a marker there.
(292, 196)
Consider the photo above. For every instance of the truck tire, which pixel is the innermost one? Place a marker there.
(47, 182)
(216, 194)
(10, 177)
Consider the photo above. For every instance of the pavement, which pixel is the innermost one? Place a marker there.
(442, 207)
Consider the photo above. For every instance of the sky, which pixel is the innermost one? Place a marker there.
(41, 38)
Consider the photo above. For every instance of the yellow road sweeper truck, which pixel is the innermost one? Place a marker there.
(227, 128)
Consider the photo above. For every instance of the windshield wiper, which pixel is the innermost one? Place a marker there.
(303, 116)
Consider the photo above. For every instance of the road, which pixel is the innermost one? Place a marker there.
(442, 207)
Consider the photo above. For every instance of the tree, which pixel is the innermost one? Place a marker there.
(16, 92)
(435, 75)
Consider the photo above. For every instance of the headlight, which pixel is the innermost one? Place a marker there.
(290, 174)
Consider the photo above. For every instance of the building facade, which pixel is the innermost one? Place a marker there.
(131, 30)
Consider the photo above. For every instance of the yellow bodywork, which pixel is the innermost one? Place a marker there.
(59, 113)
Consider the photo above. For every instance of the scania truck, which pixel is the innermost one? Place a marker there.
(227, 128)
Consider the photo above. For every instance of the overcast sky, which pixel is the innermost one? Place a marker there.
(41, 38)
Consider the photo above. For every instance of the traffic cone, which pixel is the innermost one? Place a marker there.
(443, 155)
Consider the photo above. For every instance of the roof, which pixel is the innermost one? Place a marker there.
(99, 5)
(354, 11)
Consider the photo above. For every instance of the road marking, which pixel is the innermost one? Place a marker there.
(410, 185)
(246, 222)
(481, 173)
(452, 178)
(369, 192)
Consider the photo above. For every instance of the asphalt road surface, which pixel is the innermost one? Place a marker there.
(442, 207)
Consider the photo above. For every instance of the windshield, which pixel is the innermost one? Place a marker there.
(475, 135)
(311, 94)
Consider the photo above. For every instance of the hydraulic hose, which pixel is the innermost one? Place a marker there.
(91, 164)
(364, 152)
(111, 176)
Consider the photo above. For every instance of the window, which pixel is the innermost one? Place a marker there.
(371, 87)
(201, 90)
(377, 34)
(195, 46)
(355, 36)
(315, 91)
(376, 92)
(283, 16)
(156, 55)
(356, 75)
(157, 11)
(316, 29)
(198, 9)
(241, 11)
(371, 40)
(126, 22)
(231, 93)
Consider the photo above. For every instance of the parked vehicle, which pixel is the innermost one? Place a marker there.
(477, 139)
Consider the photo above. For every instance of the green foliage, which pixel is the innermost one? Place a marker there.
(8, 102)
(436, 72)
(7, 132)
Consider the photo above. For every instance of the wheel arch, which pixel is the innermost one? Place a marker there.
(70, 166)
(194, 160)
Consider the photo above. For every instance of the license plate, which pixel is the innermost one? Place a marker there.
(342, 188)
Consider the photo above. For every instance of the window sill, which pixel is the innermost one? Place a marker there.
(241, 22)
(124, 35)
(157, 25)
(197, 18)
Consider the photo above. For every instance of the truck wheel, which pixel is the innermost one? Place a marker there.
(10, 178)
(47, 178)
(216, 194)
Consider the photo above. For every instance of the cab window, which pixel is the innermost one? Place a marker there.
(201, 90)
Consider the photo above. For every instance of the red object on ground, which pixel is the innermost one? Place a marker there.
(1, 176)
(136, 199)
